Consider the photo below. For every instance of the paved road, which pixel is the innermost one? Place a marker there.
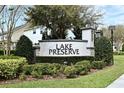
(119, 83)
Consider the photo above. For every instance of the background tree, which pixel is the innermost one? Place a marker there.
(24, 48)
(60, 18)
(118, 35)
(1, 8)
(9, 18)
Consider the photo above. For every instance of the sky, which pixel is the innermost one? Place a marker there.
(113, 14)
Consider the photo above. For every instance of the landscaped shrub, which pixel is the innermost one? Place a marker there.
(1, 52)
(11, 68)
(81, 70)
(70, 72)
(85, 64)
(44, 68)
(57, 69)
(123, 47)
(10, 57)
(61, 60)
(103, 50)
(12, 52)
(27, 69)
(98, 64)
(24, 48)
(22, 76)
(37, 74)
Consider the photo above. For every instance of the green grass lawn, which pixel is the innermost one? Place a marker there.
(99, 79)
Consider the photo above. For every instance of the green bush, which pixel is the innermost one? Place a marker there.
(27, 69)
(98, 64)
(11, 68)
(24, 48)
(9, 57)
(81, 70)
(22, 76)
(44, 68)
(56, 68)
(37, 74)
(123, 47)
(103, 50)
(70, 72)
(1, 52)
(85, 64)
(60, 60)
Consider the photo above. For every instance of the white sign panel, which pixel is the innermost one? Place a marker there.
(62, 49)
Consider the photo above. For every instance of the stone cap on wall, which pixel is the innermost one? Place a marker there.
(62, 40)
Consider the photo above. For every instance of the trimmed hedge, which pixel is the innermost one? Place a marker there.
(98, 64)
(44, 68)
(24, 48)
(10, 57)
(85, 63)
(37, 74)
(70, 72)
(83, 67)
(11, 68)
(81, 70)
(60, 60)
(55, 69)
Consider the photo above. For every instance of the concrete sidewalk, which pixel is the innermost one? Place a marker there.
(119, 83)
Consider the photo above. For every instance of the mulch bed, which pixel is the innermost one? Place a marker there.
(30, 78)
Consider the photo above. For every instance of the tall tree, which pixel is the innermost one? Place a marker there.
(1, 8)
(118, 35)
(9, 17)
(61, 18)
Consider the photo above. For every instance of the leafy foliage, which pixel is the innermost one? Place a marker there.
(60, 60)
(22, 76)
(37, 74)
(60, 18)
(11, 68)
(9, 57)
(70, 72)
(84, 63)
(9, 18)
(44, 68)
(103, 50)
(98, 64)
(123, 47)
(24, 48)
(118, 35)
(83, 67)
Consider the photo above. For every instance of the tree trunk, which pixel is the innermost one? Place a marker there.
(8, 47)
